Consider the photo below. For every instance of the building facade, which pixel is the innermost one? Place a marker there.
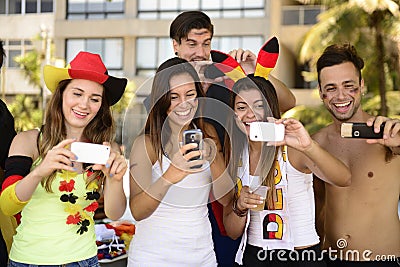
(132, 35)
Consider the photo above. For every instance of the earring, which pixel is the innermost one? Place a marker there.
(176, 53)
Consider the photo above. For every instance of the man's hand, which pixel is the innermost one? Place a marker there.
(391, 132)
(245, 58)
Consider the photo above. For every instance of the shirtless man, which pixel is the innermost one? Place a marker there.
(361, 220)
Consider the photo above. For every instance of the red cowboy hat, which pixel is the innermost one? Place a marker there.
(90, 67)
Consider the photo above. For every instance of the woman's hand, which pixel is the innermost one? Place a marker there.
(57, 158)
(296, 135)
(116, 165)
(185, 160)
(248, 200)
(182, 162)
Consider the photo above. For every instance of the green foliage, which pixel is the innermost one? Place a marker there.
(373, 27)
(30, 64)
(313, 118)
(371, 104)
(25, 113)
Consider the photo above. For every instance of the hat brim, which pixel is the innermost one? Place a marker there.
(114, 87)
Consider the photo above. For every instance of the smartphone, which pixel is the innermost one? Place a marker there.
(193, 136)
(360, 130)
(266, 131)
(90, 153)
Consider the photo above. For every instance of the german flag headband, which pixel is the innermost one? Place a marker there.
(266, 61)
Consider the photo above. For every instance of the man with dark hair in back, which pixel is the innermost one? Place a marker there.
(361, 222)
(7, 134)
(191, 33)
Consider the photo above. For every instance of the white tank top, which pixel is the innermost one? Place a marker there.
(178, 233)
(302, 207)
(297, 213)
(269, 229)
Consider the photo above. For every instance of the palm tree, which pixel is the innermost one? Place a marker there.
(373, 26)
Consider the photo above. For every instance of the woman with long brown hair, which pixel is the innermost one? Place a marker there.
(170, 188)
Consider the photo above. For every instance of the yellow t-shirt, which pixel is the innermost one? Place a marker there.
(58, 228)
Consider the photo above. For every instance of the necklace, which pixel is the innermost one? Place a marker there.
(78, 215)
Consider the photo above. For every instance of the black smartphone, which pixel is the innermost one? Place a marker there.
(193, 136)
(360, 130)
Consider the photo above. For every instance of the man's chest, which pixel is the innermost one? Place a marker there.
(367, 164)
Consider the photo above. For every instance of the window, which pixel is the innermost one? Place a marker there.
(15, 48)
(25, 6)
(14, 7)
(46, 6)
(161, 9)
(31, 6)
(151, 52)
(300, 15)
(110, 50)
(95, 9)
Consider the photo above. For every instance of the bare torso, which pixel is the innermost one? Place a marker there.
(364, 215)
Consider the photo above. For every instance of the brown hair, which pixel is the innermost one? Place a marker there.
(100, 129)
(160, 99)
(235, 144)
(337, 54)
(188, 20)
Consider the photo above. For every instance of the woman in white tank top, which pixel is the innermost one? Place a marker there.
(279, 233)
(169, 186)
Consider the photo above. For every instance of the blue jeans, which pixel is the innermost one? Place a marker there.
(91, 262)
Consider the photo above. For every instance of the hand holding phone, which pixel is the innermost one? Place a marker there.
(360, 130)
(266, 131)
(90, 153)
(193, 136)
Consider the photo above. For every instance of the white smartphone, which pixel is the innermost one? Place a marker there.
(266, 131)
(90, 153)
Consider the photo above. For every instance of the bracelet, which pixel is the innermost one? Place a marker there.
(236, 210)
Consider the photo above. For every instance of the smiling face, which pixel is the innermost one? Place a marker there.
(183, 99)
(340, 90)
(81, 101)
(196, 47)
(249, 107)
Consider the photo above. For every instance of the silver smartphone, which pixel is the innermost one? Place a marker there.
(360, 130)
(267, 131)
(90, 153)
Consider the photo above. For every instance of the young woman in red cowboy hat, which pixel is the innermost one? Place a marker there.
(57, 195)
